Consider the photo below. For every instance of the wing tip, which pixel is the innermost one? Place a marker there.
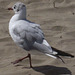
(72, 56)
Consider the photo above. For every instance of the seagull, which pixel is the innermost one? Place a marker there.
(28, 35)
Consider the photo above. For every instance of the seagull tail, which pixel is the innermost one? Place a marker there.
(59, 54)
(62, 53)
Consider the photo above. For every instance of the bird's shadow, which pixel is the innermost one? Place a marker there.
(52, 70)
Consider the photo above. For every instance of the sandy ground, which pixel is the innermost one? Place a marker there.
(58, 24)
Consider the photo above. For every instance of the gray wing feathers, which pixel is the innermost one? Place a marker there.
(32, 35)
(30, 31)
(37, 33)
(42, 48)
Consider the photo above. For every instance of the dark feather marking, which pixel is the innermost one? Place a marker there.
(62, 53)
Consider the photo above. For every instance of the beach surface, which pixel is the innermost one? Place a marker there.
(58, 24)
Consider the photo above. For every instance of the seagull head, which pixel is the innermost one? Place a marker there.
(18, 7)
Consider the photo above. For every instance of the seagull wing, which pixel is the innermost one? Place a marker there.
(32, 37)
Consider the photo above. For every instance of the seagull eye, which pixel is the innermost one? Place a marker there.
(23, 5)
(15, 7)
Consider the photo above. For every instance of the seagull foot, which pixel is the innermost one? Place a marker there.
(19, 60)
(16, 61)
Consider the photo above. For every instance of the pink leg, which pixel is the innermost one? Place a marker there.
(19, 60)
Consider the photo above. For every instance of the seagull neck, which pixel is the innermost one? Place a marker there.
(18, 16)
(22, 15)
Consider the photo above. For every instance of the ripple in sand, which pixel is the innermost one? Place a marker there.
(71, 33)
(58, 28)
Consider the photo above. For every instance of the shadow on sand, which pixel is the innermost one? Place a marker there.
(52, 70)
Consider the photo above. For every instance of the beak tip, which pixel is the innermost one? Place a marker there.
(10, 9)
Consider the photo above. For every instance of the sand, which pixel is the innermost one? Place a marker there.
(57, 23)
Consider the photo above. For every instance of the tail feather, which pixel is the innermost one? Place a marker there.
(59, 53)
(60, 58)
(62, 53)
(56, 56)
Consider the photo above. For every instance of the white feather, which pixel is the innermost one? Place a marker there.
(45, 43)
(51, 56)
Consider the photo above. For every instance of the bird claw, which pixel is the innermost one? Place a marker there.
(16, 61)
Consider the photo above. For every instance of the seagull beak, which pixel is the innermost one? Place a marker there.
(10, 9)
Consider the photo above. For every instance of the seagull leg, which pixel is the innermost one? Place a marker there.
(29, 55)
(19, 60)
